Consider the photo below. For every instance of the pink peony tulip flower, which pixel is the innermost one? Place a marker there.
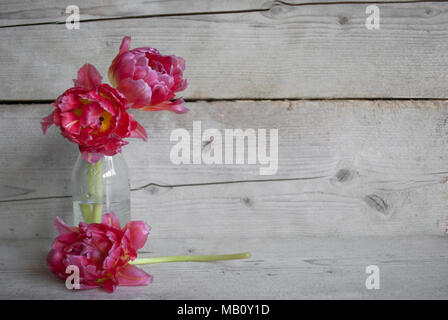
(148, 79)
(101, 251)
(94, 116)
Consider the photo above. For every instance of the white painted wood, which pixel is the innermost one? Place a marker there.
(345, 168)
(280, 268)
(286, 52)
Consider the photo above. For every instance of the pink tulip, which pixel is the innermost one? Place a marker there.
(101, 251)
(148, 79)
(94, 116)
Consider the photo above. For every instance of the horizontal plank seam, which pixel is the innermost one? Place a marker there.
(224, 182)
(274, 3)
(43, 102)
(35, 198)
(183, 185)
(352, 2)
(171, 186)
(146, 16)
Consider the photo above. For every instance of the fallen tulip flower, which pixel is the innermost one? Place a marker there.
(106, 254)
(101, 251)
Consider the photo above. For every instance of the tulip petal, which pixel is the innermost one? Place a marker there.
(111, 219)
(113, 146)
(183, 84)
(68, 101)
(122, 67)
(138, 232)
(109, 285)
(137, 92)
(66, 234)
(70, 122)
(47, 122)
(62, 227)
(173, 106)
(90, 115)
(89, 156)
(125, 44)
(137, 130)
(133, 276)
(88, 77)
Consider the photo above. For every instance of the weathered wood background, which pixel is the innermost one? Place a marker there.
(363, 145)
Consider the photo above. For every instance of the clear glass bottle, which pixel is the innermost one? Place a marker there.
(101, 188)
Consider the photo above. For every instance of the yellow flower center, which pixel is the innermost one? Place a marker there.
(105, 118)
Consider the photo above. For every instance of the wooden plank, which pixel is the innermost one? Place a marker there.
(53, 11)
(253, 210)
(15, 13)
(287, 52)
(345, 168)
(382, 159)
(289, 268)
(290, 209)
(363, 145)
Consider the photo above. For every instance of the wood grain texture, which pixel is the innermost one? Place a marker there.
(285, 52)
(16, 13)
(359, 182)
(280, 209)
(345, 168)
(288, 268)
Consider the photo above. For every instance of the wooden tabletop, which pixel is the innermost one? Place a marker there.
(362, 146)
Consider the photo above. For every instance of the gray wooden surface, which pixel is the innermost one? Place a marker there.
(287, 52)
(281, 268)
(360, 181)
(345, 168)
(25, 12)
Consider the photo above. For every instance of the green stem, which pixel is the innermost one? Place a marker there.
(86, 211)
(203, 258)
(95, 182)
(97, 212)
